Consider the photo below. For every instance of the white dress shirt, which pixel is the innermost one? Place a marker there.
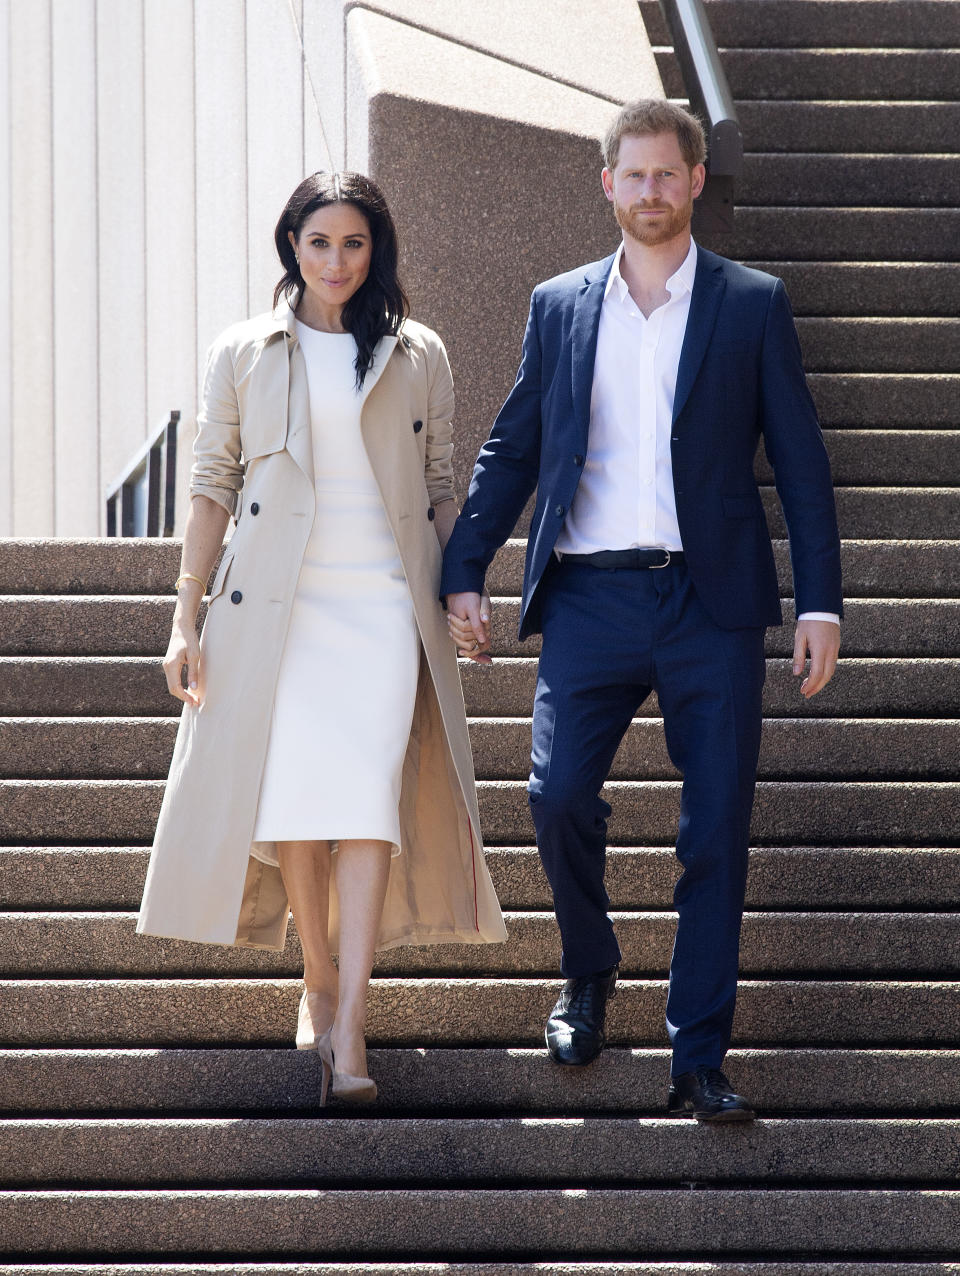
(625, 496)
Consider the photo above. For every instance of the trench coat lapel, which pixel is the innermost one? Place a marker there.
(299, 436)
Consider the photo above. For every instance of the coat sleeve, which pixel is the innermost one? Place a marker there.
(794, 446)
(503, 478)
(438, 467)
(217, 469)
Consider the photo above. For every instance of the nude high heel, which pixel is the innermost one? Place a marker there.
(307, 1035)
(325, 1051)
(344, 1086)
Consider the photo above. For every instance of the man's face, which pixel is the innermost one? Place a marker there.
(651, 188)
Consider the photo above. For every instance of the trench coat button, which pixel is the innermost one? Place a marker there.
(578, 459)
(236, 596)
(417, 427)
(559, 511)
(254, 508)
(431, 513)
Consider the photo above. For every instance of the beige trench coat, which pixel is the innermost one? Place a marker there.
(254, 433)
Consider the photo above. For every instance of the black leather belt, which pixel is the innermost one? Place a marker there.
(639, 559)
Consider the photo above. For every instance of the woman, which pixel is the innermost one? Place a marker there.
(322, 762)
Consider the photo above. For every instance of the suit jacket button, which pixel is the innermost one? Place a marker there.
(431, 513)
(578, 459)
(236, 596)
(417, 427)
(559, 511)
(254, 508)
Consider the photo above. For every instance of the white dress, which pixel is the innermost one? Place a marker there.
(348, 676)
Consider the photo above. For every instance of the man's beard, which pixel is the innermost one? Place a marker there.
(649, 232)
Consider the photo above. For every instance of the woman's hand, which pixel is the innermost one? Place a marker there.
(468, 620)
(183, 650)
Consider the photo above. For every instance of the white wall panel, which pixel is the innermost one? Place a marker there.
(274, 134)
(122, 309)
(171, 296)
(31, 284)
(6, 380)
(323, 49)
(75, 286)
(221, 187)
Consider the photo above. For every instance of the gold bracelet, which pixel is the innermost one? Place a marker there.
(189, 576)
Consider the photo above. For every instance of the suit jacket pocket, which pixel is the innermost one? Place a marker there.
(747, 506)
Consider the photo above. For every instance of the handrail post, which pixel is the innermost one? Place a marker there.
(709, 95)
(134, 498)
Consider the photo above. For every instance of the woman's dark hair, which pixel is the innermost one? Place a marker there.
(379, 305)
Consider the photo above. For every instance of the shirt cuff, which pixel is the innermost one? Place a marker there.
(820, 615)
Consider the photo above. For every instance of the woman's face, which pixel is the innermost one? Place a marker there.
(335, 247)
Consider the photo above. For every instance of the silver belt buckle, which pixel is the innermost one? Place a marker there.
(655, 567)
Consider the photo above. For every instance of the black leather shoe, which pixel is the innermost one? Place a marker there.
(707, 1094)
(575, 1028)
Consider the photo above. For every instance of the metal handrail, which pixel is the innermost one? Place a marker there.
(134, 497)
(709, 95)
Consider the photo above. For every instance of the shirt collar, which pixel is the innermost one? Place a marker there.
(680, 281)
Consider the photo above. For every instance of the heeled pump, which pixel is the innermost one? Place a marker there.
(307, 1035)
(343, 1085)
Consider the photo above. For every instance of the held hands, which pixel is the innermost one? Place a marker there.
(820, 639)
(468, 620)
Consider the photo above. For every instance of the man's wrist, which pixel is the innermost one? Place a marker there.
(819, 615)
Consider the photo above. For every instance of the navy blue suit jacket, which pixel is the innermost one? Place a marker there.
(740, 377)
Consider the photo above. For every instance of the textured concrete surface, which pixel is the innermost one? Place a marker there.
(858, 24)
(786, 813)
(865, 687)
(800, 943)
(904, 127)
(465, 1081)
(122, 565)
(825, 877)
(615, 1268)
(894, 287)
(829, 749)
(85, 685)
(464, 1011)
(920, 458)
(445, 1223)
(108, 626)
(871, 627)
(842, 180)
(847, 235)
(881, 345)
(419, 1151)
(883, 399)
(801, 74)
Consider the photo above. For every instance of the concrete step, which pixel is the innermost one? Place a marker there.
(800, 944)
(824, 234)
(127, 626)
(464, 1011)
(41, 878)
(423, 1152)
(881, 686)
(886, 399)
(124, 685)
(816, 23)
(872, 288)
(863, 458)
(904, 128)
(493, 1268)
(880, 345)
(871, 568)
(871, 627)
(878, 180)
(448, 1223)
(829, 749)
(45, 812)
(786, 1081)
(862, 74)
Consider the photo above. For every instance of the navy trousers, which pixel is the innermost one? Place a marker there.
(609, 638)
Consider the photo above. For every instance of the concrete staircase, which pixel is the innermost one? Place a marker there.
(155, 1118)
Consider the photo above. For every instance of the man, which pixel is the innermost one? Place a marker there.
(646, 383)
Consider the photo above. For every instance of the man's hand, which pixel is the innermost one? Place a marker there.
(468, 620)
(820, 639)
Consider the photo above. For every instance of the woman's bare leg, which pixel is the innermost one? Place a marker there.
(362, 869)
(305, 869)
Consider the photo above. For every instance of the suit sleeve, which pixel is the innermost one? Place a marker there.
(503, 478)
(217, 469)
(795, 448)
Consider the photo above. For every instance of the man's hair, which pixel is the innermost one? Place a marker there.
(649, 116)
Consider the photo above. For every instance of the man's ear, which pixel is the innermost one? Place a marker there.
(606, 180)
(698, 177)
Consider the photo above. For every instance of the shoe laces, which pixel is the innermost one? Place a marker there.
(712, 1077)
(585, 993)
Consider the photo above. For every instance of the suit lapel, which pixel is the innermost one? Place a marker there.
(708, 287)
(583, 355)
